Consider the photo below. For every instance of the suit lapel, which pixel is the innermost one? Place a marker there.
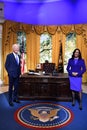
(13, 57)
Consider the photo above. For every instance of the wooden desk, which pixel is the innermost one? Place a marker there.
(44, 87)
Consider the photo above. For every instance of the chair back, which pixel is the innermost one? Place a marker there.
(48, 67)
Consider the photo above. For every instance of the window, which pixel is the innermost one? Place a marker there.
(70, 45)
(45, 48)
(21, 40)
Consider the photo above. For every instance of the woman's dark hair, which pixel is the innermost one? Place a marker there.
(73, 55)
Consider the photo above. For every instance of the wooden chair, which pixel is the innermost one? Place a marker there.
(48, 67)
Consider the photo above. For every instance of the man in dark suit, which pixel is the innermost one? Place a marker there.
(13, 68)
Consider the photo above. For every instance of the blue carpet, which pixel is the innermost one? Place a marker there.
(7, 121)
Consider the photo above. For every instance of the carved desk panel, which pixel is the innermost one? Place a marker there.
(44, 87)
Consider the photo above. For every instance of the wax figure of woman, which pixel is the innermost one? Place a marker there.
(76, 68)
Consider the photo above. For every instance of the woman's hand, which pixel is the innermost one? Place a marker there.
(74, 73)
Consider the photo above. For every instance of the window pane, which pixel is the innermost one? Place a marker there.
(21, 40)
(45, 48)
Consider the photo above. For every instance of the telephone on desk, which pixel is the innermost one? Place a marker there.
(55, 72)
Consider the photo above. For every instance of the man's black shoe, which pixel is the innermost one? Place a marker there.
(11, 104)
(73, 104)
(16, 100)
(80, 107)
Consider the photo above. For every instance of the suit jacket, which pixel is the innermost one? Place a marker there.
(11, 66)
(79, 67)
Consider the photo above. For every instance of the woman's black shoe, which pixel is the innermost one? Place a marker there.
(73, 103)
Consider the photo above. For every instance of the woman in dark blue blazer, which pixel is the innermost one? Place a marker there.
(76, 68)
(13, 68)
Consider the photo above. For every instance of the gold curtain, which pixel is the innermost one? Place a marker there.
(39, 29)
(63, 45)
(33, 47)
(80, 44)
(52, 29)
(55, 48)
(8, 39)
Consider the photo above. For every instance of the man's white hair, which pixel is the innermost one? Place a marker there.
(15, 45)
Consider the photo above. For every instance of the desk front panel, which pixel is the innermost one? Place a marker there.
(45, 87)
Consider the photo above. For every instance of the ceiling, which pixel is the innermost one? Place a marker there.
(44, 12)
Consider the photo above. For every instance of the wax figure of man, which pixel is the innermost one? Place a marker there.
(13, 68)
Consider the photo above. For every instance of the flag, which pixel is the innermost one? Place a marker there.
(22, 63)
(22, 51)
